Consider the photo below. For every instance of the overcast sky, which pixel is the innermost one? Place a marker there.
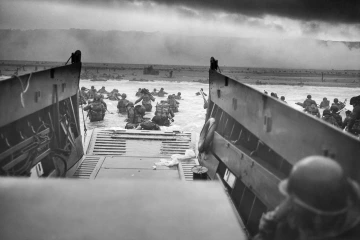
(316, 19)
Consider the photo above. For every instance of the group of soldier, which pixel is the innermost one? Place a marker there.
(331, 113)
(164, 113)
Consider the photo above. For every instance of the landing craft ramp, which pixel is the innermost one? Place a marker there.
(131, 154)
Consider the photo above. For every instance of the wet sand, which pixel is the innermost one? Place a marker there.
(258, 76)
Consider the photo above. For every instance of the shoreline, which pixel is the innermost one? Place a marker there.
(171, 73)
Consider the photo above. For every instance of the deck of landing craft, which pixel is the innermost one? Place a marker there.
(132, 154)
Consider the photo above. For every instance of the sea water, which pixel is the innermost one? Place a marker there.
(191, 115)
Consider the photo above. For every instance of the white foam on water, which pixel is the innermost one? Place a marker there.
(191, 115)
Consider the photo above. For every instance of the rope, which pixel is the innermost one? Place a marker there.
(85, 130)
(68, 60)
(22, 87)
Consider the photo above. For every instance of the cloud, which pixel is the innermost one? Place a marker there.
(332, 11)
(159, 48)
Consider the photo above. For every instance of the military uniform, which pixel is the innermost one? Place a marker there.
(83, 97)
(162, 93)
(146, 101)
(122, 105)
(354, 122)
(96, 111)
(92, 93)
(308, 102)
(321, 204)
(102, 90)
(338, 118)
(325, 104)
(313, 110)
(163, 114)
(173, 104)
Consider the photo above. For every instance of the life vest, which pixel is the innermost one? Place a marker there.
(162, 110)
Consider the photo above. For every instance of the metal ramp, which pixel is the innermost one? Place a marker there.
(132, 154)
(137, 143)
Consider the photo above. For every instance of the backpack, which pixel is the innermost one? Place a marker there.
(149, 126)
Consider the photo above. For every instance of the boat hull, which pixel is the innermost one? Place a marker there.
(257, 141)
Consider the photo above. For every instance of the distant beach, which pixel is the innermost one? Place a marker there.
(178, 73)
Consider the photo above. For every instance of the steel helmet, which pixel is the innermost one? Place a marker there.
(179, 93)
(354, 100)
(336, 100)
(319, 185)
(130, 104)
(123, 95)
(308, 96)
(324, 98)
(96, 97)
(83, 88)
(334, 108)
(326, 112)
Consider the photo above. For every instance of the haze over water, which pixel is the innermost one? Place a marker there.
(191, 115)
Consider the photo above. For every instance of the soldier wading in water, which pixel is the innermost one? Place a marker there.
(146, 98)
(96, 109)
(321, 203)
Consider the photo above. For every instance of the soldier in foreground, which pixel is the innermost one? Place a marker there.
(308, 102)
(122, 104)
(313, 110)
(354, 122)
(149, 125)
(96, 109)
(174, 105)
(164, 115)
(135, 115)
(327, 117)
(321, 203)
(340, 105)
(347, 119)
(334, 112)
(146, 98)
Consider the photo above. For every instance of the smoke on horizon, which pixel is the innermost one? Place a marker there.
(158, 48)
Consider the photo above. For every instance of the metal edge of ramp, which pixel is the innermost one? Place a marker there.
(185, 167)
(88, 167)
